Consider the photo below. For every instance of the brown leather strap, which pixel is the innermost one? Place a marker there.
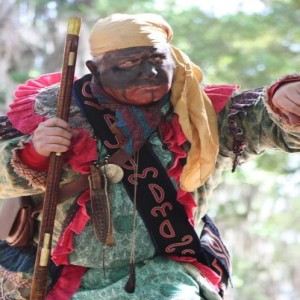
(82, 183)
(66, 191)
(119, 157)
(72, 188)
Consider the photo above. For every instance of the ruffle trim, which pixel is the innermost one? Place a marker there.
(23, 117)
(64, 247)
(205, 271)
(21, 112)
(219, 94)
(174, 137)
(67, 284)
(82, 152)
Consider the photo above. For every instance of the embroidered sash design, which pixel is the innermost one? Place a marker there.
(164, 217)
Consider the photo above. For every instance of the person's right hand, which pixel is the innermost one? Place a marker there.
(53, 135)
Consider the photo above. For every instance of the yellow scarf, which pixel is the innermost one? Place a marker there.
(196, 113)
(197, 119)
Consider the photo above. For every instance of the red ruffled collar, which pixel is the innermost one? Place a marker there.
(24, 118)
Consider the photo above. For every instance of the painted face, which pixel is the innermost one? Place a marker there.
(138, 76)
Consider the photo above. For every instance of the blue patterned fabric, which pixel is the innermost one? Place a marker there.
(16, 259)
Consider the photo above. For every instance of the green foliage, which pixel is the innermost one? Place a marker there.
(250, 50)
(2, 97)
(19, 77)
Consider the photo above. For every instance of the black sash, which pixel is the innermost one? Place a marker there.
(164, 217)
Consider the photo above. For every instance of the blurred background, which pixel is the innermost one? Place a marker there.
(250, 43)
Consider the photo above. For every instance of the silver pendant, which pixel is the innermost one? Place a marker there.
(113, 173)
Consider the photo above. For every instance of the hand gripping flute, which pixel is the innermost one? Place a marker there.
(40, 276)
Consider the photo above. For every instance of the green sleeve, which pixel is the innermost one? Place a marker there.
(11, 183)
(246, 126)
(246, 119)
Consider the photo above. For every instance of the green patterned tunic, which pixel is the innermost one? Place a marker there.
(157, 276)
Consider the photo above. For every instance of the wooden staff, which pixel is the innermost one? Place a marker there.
(40, 276)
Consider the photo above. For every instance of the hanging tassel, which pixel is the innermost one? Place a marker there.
(130, 285)
(110, 240)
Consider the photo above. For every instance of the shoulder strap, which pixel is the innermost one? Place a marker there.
(66, 191)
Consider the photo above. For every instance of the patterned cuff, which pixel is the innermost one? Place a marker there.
(36, 178)
(32, 159)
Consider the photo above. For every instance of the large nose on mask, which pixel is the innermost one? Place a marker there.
(148, 70)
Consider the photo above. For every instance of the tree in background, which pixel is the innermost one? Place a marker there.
(258, 207)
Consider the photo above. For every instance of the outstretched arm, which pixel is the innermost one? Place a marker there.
(261, 119)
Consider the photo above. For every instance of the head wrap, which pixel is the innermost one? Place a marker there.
(196, 114)
(120, 31)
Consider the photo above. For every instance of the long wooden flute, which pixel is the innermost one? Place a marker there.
(40, 276)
